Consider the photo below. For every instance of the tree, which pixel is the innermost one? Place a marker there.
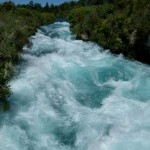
(8, 6)
(31, 4)
(46, 7)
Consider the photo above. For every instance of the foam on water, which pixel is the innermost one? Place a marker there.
(70, 95)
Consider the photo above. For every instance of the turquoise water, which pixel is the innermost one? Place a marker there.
(72, 95)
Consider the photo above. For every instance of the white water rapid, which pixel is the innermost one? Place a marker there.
(70, 95)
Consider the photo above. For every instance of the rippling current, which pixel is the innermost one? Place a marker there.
(72, 95)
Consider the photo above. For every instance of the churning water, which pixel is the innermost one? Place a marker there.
(70, 95)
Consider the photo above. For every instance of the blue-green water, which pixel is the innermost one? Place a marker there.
(70, 95)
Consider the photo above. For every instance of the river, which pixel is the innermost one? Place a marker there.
(73, 95)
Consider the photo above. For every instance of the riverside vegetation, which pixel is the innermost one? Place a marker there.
(123, 26)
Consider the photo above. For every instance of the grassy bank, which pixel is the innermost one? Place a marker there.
(17, 24)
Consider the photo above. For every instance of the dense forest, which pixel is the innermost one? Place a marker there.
(122, 26)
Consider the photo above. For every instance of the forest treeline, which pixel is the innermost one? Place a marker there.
(122, 26)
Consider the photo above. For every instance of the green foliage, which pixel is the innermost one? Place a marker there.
(62, 10)
(123, 26)
(79, 15)
(46, 17)
(7, 6)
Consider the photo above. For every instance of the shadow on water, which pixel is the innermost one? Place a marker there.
(66, 133)
(88, 92)
(61, 20)
(94, 96)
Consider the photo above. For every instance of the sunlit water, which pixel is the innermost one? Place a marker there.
(70, 95)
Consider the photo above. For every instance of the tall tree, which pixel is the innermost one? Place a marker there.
(46, 7)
